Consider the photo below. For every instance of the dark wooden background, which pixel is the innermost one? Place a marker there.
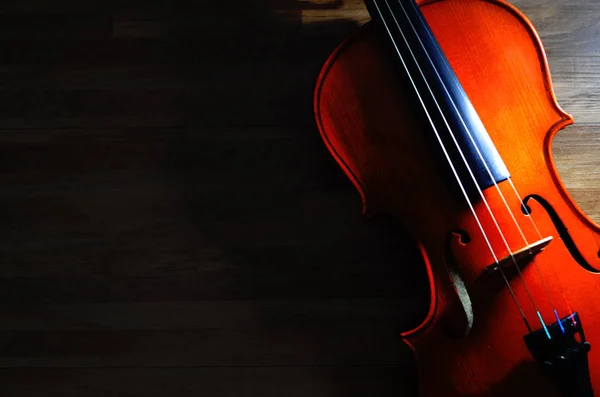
(170, 221)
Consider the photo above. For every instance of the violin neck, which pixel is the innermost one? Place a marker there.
(457, 133)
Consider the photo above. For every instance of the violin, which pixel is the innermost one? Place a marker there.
(442, 114)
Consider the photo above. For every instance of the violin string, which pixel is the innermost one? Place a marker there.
(462, 188)
(518, 196)
(499, 229)
(535, 226)
(520, 230)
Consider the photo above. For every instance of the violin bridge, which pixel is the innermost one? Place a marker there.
(522, 256)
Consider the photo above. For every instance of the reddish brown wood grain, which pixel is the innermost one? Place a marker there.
(371, 128)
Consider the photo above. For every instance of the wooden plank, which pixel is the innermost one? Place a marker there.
(175, 256)
(216, 382)
(64, 109)
(181, 263)
(575, 152)
(124, 256)
(158, 150)
(576, 83)
(301, 345)
(167, 99)
(287, 43)
(221, 314)
(318, 12)
(569, 31)
(48, 290)
(542, 5)
(47, 27)
(149, 108)
(59, 7)
(155, 135)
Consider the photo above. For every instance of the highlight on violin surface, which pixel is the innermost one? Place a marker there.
(442, 113)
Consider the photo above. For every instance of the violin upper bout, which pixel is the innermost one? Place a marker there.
(367, 122)
(501, 63)
(496, 55)
(499, 59)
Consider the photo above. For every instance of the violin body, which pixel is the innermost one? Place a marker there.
(471, 341)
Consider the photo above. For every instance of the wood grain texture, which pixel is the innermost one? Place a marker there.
(167, 205)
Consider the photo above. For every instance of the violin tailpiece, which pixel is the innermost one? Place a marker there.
(563, 354)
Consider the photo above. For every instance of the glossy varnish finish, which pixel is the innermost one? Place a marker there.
(372, 128)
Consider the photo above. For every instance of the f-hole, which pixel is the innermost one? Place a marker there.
(561, 228)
